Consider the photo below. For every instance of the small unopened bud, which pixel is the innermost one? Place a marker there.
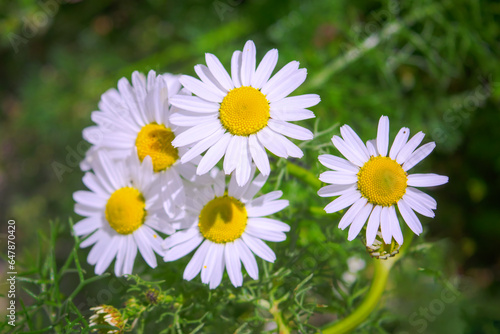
(152, 296)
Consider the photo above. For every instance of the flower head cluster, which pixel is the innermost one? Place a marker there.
(154, 187)
(146, 178)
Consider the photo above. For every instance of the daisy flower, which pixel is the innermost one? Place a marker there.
(134, 118)
(230, 227)
(374, 180)
(241, 115)
(122, 211)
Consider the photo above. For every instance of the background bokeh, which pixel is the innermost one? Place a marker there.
(429, 65)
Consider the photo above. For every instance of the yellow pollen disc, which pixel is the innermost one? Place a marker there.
(382, 181)
(223, 219)
(244, 111)
(125, 210)
(155, 140)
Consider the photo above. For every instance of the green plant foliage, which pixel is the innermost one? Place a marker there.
(428, 65)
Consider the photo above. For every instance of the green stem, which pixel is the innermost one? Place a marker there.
(303, 174)
(382, 269)
(278, 318)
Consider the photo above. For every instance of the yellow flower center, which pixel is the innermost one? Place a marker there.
(244, 111)
(223, 219)
(125, 210)
(155, 140)
(382, 181)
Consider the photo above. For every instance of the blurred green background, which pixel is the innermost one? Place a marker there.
(428, 65)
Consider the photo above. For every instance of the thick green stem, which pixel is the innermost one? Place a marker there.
(372, 300)
(278, 318)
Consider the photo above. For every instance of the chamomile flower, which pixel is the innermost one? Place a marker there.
(374, 180)
(229, 226)
(134, 118)
(241, 115)
(123, 212)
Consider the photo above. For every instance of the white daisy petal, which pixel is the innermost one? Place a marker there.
(426, 180)
(236, 68)
(258, 154)
(194, 104)
(343, 201)
(410, 217)
(254, 187)
(233, 264)
(291, 115)
(338, 177)
(120, 256)
(87, 226)
(144, 245)
(287, 86)
(268, 138)
(269, 224)
(180, 237)
(383, 136)
(235, 189)
(396, 232)
(336, 190)
(418, 206)
(196, 133)
(219, 71)
(248, 63)
(214, 154)
(130, 255)
(296, 102)
(336, 163)
(191, 120)
(200, 89)
(353, 211)
(279, 77)
(418, 155)
(420, 196)
(359, 221)
(371, 145)
(385, 225)
(399, 142)
(182, 249)
(347, 151)
(290, 130)
(99, 248)
(107, 256)
(232, 154)
(208, 78)
(373, 225)
(265, 69)
(243, 169)
(89, 199)
(267, 208)
(92, 182)
(409, 147)
(194, 266)
(209, 263)
(258, 247)
(219, 265)
(268, 235)
(247, 258)
(291, 149)
(203, 145)
(353, 140)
